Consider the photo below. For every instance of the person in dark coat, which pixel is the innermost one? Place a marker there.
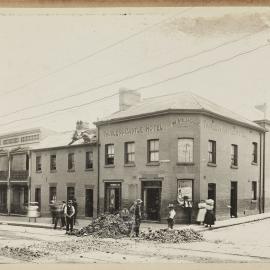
(187, 204)
(75, 205)
(136, 213)
(210, 215)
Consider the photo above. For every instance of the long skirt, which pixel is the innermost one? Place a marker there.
(201, 215)
(209, 217)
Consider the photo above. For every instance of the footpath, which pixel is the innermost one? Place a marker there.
(46, 222)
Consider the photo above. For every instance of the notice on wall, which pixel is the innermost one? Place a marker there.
(184, 188)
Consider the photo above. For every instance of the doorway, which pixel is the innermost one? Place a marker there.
(233, 199)
(151, 194)
(3, 198)
(89, 203)
(38, 197)
(112, 197)
(212, 193)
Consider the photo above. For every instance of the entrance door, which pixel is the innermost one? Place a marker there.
(112, 197)
(89, 202)
(233, 199)
(38, 197)
(212, 193)
(151, 193)
(3, 198)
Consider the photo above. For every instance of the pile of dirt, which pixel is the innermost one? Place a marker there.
(23, 253)
(106, 226)
(172, 236)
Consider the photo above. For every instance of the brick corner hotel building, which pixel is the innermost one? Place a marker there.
(163, 148)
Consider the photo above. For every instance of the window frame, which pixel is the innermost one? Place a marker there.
(109, 156)
(127, 154)
(254, 152)
(212, 152)
(38, 164)
(192, 151)
(53, 157)
(89, 160)
(154, 151)
(51, 194)
(234, 155)
(71, 161)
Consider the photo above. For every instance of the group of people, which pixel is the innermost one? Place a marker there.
(64, 212)
(205, 216)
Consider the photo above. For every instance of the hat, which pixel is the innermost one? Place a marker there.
(170, 205)
(210, 202)
(139, 201)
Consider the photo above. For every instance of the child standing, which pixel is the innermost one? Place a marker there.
(171, 216)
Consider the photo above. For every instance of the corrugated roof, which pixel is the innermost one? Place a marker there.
(178, 101)
(62, 139)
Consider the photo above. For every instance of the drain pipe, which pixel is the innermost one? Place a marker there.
(98, 172)
(260, 175)
(263, 191)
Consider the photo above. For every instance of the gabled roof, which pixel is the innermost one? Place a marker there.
(183, 101)
(62, 139)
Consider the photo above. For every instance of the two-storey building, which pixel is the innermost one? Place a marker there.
(64, 166)
(164, 148)
(15, 168)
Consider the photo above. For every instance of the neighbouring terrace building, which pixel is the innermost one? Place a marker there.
(64, 166)
(15, 168)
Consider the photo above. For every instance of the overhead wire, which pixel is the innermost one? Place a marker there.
(145, 86)
(82, 59)
(132, 76)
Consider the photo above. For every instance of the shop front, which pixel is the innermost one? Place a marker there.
(3, 198)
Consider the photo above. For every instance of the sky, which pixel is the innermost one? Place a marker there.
(221, 54)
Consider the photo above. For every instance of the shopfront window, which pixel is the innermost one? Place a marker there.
(185, 150)
(112, 197)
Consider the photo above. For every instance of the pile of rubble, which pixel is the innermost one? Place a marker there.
(23, 253)
(106, 226)
(172, 236)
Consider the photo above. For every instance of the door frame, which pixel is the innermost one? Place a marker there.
(235, 183)
(85, 212)
(215, 194)
(105, 195)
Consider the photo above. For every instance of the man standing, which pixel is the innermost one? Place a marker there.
(138, 216)
(188, 208)
(69, 213)
(75, 205)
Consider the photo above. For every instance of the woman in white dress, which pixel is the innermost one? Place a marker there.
(201, 212)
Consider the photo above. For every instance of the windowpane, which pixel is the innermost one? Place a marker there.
(71, 163)
(89, 160)
(185, 150)
(129, 152)
(38, 163)
(255, 152)
(212, 151)
(109, 154)
(53, 162)
(153, 150)
(52, 194)
(234, 154)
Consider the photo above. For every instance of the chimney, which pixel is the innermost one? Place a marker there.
(128, 98)
(80, 125)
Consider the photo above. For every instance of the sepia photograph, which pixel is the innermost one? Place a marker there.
(135, 134)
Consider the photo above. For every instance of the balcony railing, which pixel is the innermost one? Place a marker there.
(3, 175)
(18, 175)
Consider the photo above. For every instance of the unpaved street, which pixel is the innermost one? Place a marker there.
(243, 243)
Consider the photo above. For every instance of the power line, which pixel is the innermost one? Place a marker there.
(57, 70)
(134, 75)
(145, 86)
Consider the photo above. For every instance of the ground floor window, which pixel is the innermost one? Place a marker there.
(52, 194)
(70, 193)
(112, 197)
(151, 196)
(184, 189)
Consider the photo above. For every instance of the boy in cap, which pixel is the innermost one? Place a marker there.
(69, 213)
(171, 216)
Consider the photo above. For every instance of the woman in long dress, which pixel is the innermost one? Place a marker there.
(201, 212)
(210, 215)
